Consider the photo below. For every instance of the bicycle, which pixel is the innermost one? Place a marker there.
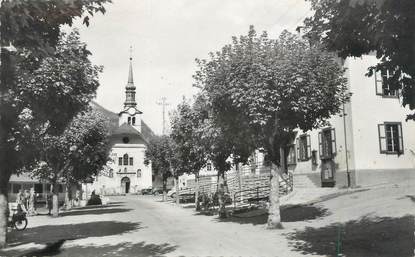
(18, 220)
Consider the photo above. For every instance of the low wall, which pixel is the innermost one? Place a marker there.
(365, 178)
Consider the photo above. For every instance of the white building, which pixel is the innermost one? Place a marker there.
(372, 142)
(125, 172)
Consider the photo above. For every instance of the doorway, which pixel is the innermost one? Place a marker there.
(125, 185)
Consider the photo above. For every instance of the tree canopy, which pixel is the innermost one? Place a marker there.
(75, 155)
(358, 27)
(48, 97)
(187, 141)
(159, 153)
(262, 89)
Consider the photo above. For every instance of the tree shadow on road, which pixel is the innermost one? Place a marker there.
(292, 213)
(118, 250)
(53, 233)
(98, 206)
(386, 237)
(94, 212)
(412, 197)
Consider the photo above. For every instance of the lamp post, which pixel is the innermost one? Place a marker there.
(345, 147)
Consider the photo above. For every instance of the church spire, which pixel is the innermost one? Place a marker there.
(130, 88)
(130, 72)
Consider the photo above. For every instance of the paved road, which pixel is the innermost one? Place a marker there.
(377, 222)
(145, 226)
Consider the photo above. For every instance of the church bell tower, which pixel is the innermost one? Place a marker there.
(130, 115)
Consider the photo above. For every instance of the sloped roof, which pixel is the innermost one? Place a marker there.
(146, 132)
(126, 129)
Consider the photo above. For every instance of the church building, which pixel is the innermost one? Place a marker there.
(126, 171)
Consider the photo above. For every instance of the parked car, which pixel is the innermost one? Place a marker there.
(147, 191)
(172, 193)
(157, 191)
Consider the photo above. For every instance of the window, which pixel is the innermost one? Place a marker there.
(209, 167)
(139, 173)
(314, 157)
(291, 155)
(9, 188)
(119, 161)
(390, 138)
(39, 188)
(133, 120)
(383, 87)
(125, 162)
(131, 161)
(60, 188)
(327, 143)
(16, 188)
(304, 147)
(125, 140)
(111, 173)
(129, 120)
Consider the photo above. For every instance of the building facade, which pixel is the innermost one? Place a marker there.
(369, 143)
(126, 171)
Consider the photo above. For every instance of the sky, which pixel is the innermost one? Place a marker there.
(166, 36)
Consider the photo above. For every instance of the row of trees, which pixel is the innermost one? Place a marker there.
(256, 91)
(253, 94)
(47, 82)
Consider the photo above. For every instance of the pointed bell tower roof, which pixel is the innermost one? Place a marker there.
(130, 88)
(130, 82)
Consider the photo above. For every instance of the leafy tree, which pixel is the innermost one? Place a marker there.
(188, 147)
(224, 144)
(358, 27)
(266, 88)
(75, 155)
(159, 153)
(29, 32)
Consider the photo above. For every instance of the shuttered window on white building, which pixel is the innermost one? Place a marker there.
(304, 147)
(327, 143)
(382, 85)
(390, 138)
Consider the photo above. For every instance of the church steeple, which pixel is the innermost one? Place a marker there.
(130, 88)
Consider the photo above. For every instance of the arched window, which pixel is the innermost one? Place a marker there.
(133, 120)
(129, 120)
(125, 158)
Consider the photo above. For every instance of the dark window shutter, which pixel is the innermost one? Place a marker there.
(400, 139)
(297, 143)
(333, 142)
(382, 138)
(320, 145)
(378, 83)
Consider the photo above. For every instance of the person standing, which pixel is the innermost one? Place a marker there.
(32, 201)
(26, 197)
(49, 202)
(20, 201)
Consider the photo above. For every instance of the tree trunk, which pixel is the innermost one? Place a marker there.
(274, 217)
(4, 180)
(221, 192)
(68, 203)
(164, 189)
(176, 182)
(197, 204)
(55, 200)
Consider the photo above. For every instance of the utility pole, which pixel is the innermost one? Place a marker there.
(163, 102)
